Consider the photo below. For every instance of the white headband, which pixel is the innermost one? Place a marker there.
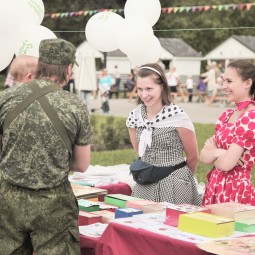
(151, 68)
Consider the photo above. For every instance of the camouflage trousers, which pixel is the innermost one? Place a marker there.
(43, 221)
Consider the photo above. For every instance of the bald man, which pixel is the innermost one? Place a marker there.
(23, 69)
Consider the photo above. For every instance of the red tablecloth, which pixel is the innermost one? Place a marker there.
(118, 188)
(88, 245)
(119, 239)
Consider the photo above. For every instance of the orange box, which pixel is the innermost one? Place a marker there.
(107, 216)
(154, 208)
(139, 204)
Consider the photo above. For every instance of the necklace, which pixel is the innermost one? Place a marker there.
(242, 105)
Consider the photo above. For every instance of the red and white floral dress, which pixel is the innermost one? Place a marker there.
(234, 185)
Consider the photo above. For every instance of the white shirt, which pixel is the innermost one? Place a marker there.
(172, 79)
(189, 83)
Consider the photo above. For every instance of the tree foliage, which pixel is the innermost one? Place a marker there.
(199, 29)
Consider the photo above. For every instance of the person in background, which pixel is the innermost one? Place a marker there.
(133, 93)
(217, 92)
(201, 86)
(210, 79)
(104, 86)
(160, 132)
(232, 147)
(173, 81)
(189, 85)
(130, 83)
(39, 210)
(117, 78)
(23, 69)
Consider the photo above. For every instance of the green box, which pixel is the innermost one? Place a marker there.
(247, 225)
(87, 205)
(119, 200)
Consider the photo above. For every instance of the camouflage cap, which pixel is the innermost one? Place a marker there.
(57, 52)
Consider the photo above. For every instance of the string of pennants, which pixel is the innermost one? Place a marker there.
(165, 10)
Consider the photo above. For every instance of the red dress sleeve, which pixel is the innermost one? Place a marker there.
(244, 134)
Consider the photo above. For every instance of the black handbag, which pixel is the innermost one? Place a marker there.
(145, 173)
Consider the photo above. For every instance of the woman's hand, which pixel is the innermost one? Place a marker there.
(210, 144)
(241, 161)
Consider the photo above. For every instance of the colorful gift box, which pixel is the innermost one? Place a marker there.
(88, 206)
(111, 208)
(206, 224)
(86, 218)
(119, 200)
(107, 216)
(126, 212)
(86, 192)
(236, 211)
(138, 204)
(154, 208)
(173, 212)
(247, 225)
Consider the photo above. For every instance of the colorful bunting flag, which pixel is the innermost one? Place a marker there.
(169, 10)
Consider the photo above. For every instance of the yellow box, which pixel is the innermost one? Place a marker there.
(206, 224)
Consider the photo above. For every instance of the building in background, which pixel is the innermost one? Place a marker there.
(235, 47)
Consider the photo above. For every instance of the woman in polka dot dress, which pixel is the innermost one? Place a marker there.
(232, 148)
(160, 133)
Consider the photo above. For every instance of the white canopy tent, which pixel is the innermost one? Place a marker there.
(85, 74)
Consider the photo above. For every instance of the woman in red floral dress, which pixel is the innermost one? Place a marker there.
(232, 148)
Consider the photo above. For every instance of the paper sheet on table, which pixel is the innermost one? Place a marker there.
(93, 230)
(230, 246)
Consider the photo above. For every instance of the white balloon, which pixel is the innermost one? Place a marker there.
(33, 11)
(149, 10)
(6, 53)
(29, 39)
(14, 13)
(151, 55)
(133, 35)
(100, 30)
(10, 17)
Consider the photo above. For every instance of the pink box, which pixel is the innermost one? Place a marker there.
(86, 218)
(173, 212)
(138, 204)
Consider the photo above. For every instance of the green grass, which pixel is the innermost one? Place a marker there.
(126, 156)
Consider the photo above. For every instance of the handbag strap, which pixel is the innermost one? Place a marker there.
(38, 94)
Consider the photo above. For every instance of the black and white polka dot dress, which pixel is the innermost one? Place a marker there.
(166, 149)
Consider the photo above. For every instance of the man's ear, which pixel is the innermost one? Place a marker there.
(29, 76)
(70, 69)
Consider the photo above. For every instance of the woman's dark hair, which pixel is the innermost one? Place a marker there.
(159, 78)
(57, 72)
(246, 70)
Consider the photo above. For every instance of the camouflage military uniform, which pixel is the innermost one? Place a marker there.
(35, 167)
